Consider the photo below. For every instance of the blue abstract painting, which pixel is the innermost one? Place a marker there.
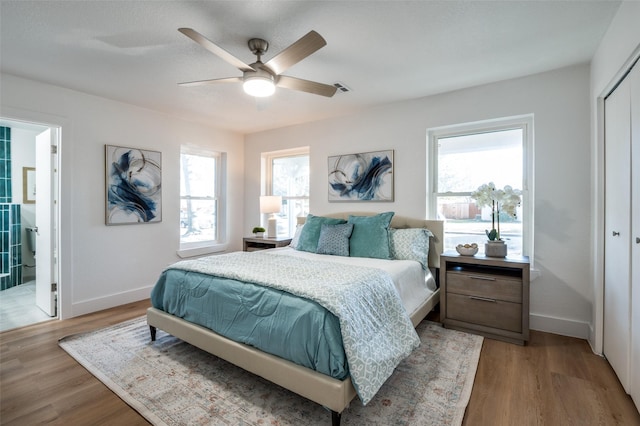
(366, 176)
(134, 185)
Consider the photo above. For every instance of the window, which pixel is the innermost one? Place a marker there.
(201, 200)
(286, 174)
(462, 158)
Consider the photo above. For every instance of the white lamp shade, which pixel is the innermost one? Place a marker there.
(270, 203)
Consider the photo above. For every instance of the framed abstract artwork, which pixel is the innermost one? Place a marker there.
(366, 176)
(133, 185)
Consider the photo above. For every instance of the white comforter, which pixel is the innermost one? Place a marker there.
(376, 330)
(414, 284)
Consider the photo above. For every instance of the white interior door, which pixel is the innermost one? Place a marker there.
(617, 266)
(635, 236)
(45, 241)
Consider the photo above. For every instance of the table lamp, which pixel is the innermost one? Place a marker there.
(271, 204)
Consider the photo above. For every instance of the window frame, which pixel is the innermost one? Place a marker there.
(267, 176)
(524, 122)
(220, 243)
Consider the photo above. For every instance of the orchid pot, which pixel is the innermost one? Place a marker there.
(495, 248)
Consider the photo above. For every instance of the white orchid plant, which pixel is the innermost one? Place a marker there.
(500, 200)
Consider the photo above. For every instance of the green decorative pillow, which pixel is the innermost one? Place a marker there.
(370, 237)
(334, 239)
(410, 244)
(310, 233)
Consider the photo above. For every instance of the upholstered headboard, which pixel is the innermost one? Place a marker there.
(436, 227)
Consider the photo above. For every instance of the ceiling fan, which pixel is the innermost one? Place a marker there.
(260, 79)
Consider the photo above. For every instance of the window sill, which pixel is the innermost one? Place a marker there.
(201, 251)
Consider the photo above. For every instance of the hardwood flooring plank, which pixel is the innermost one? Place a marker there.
(39, 415)
(40, 383)
(570, 389)
(553, 380)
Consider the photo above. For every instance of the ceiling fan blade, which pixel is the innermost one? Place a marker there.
(306, 86)
(293, 54)
(214, 81)
(215, 49)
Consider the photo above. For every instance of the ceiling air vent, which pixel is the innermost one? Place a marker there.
(341, 87)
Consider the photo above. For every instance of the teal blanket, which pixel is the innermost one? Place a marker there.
(376, 330)
(273, 321)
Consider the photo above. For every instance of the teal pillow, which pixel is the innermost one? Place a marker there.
(370, 237)
(410, 244)
(310, 233)
(334, 239)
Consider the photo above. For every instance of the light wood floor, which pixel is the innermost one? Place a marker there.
(554, 380)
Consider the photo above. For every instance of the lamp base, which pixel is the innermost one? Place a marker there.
(272, 227)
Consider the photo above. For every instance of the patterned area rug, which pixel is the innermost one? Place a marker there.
(170, 382)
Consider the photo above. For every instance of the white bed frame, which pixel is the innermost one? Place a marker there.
(331, 393)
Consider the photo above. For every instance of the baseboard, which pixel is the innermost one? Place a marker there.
(562, 326)
(98, 304)
(592, 340)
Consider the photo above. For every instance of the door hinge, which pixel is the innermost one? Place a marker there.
(54, 149)
(54, 287)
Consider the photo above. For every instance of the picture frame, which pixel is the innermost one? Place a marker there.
(133, 178)
(28, 185)
(366, 176)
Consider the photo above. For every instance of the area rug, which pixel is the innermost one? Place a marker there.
(170, 382)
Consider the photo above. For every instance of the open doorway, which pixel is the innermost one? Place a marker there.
(28, 194)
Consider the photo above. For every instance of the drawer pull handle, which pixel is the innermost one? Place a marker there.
(483, 299)
(481, 277)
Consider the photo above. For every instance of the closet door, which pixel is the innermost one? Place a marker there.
(635, 235)
(617, 261)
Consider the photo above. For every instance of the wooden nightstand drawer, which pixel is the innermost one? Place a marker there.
(485, 311)
(486, 295)
(485, 285)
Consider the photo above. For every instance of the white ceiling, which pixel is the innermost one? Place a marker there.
(384, 51)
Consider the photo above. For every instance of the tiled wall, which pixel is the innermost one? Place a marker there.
(10, 220)
(11, 254)
(5, 164)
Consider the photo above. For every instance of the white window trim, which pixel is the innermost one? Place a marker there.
(268, 157)
(221, 244)
(525, 122)
(267, 167)
(201, 251)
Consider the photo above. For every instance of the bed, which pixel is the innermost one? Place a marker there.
(333, 391)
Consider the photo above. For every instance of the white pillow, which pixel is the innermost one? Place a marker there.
(410, 244)
(296, 236)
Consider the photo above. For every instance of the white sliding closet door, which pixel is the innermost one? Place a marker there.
(617, 291)
(622, 233)
(635, 236)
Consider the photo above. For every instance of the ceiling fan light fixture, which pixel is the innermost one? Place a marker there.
(259, 79)
(259, 86)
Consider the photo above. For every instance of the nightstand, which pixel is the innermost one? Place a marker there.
(486, 295)
(254, 243)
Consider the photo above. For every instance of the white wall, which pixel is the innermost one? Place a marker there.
(619, 47)
(561, 298)
(105, 266)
